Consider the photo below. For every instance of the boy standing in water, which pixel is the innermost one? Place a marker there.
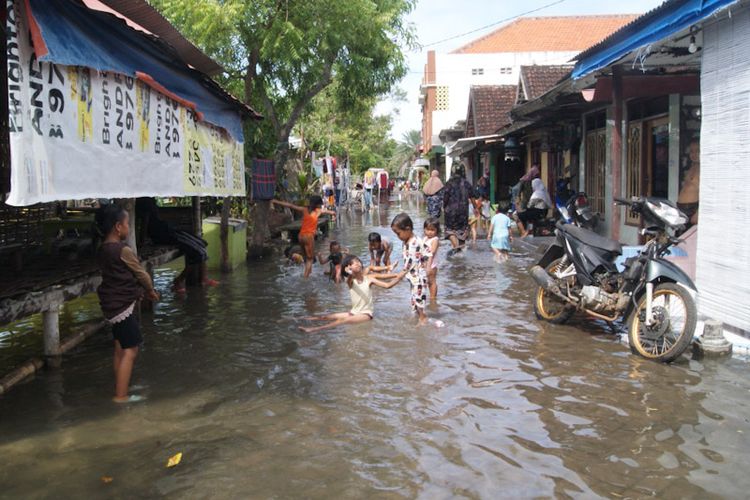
(124, 282)
(334, 259)
(380, 250)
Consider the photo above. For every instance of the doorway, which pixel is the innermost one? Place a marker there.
(657, 158)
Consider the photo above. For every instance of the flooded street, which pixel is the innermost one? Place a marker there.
(493, 404)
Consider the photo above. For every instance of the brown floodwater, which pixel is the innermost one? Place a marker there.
(495, 404)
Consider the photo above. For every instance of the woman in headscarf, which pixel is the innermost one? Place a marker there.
(456, 196)
(539, 204)
(433, 192)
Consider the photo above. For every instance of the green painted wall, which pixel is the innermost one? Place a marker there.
(237, 242)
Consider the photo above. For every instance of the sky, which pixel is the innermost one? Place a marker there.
(436, 20)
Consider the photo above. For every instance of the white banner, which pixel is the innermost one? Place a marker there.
(78, 133)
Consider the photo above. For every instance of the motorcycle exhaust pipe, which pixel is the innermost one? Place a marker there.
(544, 280)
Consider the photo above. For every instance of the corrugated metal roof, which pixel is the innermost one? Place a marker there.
(660, 23)
(148, 18)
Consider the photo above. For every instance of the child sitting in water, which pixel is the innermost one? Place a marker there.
(500, 236)
(294, 254)
(360, 293)
(334, 259)
(432, 242)
(416, 255)
(380, 250)
(124, 283)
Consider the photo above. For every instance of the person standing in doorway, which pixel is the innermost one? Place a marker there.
(688, 198)
(456, 196)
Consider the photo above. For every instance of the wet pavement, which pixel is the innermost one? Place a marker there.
(494, 404)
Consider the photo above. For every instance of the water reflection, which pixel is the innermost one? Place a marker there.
(495, 404)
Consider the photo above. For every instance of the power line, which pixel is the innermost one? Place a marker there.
(495, 23)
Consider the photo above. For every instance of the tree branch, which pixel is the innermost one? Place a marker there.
(304, 100)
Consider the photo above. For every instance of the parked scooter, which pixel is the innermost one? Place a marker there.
(573, 206)
(654, 296)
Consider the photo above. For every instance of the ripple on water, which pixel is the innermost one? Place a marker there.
(495, 403)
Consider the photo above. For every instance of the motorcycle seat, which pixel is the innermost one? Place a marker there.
(593, 239)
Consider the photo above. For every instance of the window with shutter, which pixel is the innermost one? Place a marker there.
(596, 159)
(633, 169)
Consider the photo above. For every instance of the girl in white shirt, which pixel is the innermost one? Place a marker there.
(360, 293)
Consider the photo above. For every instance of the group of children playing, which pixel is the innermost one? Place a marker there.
(125, 282)
(419, 269)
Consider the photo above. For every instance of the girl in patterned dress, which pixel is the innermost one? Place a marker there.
(416, 256)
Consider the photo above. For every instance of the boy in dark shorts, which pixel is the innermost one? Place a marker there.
(334, 259)
(380, 250)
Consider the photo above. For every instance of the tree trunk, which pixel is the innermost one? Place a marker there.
(261, 231)
(224, 235)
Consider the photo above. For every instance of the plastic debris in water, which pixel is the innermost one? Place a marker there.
(174, 460)
(437, 323)
(107, 479)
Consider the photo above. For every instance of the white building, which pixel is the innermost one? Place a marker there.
(496, 59)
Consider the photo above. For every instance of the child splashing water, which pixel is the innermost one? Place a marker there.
(416, 255)
(124, 282)
(360, 293)
(309, 226)
(432, 242)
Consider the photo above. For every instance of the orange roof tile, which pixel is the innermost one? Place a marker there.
(543, 34)
(489, 108)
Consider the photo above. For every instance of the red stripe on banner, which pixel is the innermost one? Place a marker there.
(149, 80)
(40, 47)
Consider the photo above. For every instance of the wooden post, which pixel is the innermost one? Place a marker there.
(51, 326)
(129, 205)
(197, 216)
(224, 235)
(195, 276)
(616, 148)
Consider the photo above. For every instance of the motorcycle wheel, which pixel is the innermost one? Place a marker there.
(547, 306)
(675, 317)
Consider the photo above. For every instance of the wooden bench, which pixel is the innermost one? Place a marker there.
(290, 231)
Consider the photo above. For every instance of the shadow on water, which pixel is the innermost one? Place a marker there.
(495, 403)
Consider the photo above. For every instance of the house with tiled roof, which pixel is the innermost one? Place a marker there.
(496, 59)
(489, 108)
(535, 80)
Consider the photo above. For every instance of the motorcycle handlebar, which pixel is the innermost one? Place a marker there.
(622, 201)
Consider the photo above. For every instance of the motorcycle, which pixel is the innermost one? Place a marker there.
(574, 207)
(654, 296)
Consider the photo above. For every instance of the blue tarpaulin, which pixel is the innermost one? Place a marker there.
(662, 22)
(78, 36)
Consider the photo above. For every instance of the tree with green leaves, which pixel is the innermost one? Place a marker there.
(355, 133)
(282, 53)
(406, 151)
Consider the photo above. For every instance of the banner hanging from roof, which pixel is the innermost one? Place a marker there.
(79, 133)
